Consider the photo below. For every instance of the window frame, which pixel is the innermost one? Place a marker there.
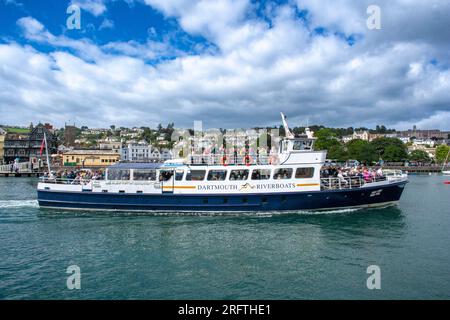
(217, 170)
(311, 175)
(268, 176)
(232, 171)
(148, 171)
(281, 169)
(188, 176)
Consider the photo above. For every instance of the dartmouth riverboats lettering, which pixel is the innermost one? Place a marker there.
(246, 187)
(275, 186)
(217, 187)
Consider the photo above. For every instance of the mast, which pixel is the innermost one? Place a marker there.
(46, 154)
(286, 127)
(445, 161)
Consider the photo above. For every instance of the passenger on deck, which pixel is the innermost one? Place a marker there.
(341, 177)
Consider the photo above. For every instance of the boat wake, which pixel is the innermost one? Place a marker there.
(18, 204)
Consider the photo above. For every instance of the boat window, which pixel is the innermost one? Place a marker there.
(165, 175)
(217, 175)
(261, 174)
(144, 175)
(179, 175)
(302, 173)
(302, 145)
(239, 174)
(118, 174)
(282, 174)
(196, 175)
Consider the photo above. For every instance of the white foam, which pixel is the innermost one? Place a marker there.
(18, 203)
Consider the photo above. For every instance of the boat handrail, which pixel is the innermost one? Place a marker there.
(392, 172)
(336, 183)
(75, 181)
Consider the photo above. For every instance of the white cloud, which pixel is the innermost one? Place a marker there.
(14, 2)
(95, 7)
(106, 24)
(31, 26)
(261, 68)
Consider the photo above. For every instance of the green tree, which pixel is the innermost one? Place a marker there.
(419, 155)
(441, 153)
(362, 151)
(337, 152)
(394, 154)
(396, 149)
(326, 139)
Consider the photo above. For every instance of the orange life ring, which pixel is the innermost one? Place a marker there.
(248, 160)
(273, 159)
(224, 161)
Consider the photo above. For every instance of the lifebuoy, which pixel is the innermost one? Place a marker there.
(224, 161)
(273, 159)
(248, 160)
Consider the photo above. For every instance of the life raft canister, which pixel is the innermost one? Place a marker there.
(224, 161)
(248, 160)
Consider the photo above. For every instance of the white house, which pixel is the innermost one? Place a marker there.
(136, 152)
(424, 142)
(404, 139)
(165, 154)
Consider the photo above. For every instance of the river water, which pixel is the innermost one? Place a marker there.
(296, 255)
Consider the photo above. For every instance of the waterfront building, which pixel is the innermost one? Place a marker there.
(161, 140)
(404, 139)
(2, 143)
(165, 155)
(70, 133)
(25, 145)
(367, 136)
(156, 154)
(133, 133)
(363, 135)
(137, 151)
(97, 131)
(424, 134)
(90, 158)
(348, 138)
(429, 150)
(110, 144)
(423, 142)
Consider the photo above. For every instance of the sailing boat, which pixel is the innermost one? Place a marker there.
(445, 172)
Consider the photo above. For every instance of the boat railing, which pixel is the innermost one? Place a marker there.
(392, 173)
(21, 167)
(74, 181)
(336, 183)
(232, 159)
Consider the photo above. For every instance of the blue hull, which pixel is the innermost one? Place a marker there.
(318, 200)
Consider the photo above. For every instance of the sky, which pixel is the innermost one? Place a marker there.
(228, 63)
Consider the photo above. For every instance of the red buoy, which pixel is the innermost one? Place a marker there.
(446, 182)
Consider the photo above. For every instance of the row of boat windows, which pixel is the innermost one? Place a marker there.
(212, 175)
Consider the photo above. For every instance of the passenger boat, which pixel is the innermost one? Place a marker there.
(291, 180)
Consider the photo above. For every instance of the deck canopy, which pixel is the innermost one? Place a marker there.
(136, 166)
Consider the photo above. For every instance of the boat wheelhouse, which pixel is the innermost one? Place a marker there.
(289, 180)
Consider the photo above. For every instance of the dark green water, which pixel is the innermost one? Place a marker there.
(270, 256)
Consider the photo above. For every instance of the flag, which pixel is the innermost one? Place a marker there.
(42, 147)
